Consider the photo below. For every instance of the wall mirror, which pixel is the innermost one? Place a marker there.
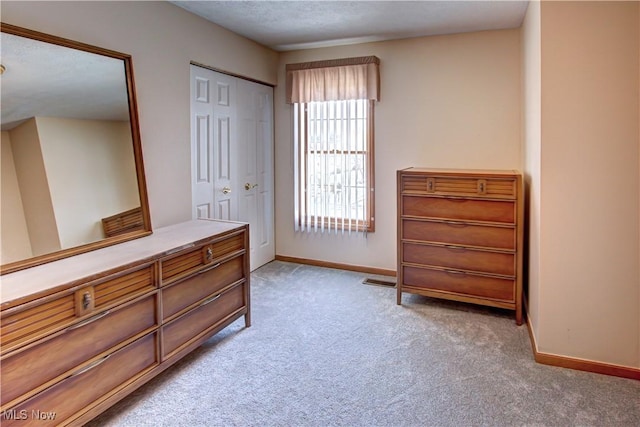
(72, 171)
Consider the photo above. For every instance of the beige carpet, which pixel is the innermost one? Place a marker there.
(327, 350)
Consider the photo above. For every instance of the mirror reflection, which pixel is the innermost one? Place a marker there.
(69, 174)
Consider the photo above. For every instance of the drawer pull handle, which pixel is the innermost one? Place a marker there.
(86, 300)
(197, 272)
(210, 300)
(482, 186)
(457, 272)
(430, 185)
(455, 247)
(456, 223)
(90, 366)
(210, 268)
(88, 321)
(456, 198)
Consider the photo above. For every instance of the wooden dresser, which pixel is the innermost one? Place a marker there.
(460, 236)
(81, 333)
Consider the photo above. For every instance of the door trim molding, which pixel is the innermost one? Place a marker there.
(229, 73)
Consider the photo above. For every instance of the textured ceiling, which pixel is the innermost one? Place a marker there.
(289, 25)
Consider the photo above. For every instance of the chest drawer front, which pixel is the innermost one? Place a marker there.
(124, 287)
(495, 288)
(182, 330)
(27, 325)
(460, 186)
(500, 211)
(78, 391)
(187, 263)
(181, 295)
(460, 258)
(35, 366)
(460, 233)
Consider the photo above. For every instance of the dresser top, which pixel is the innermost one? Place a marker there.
(484, 172)
(48, 278)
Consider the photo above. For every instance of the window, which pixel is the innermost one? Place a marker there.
(333, 105)
(334, 165)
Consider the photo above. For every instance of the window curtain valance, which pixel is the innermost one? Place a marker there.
(333, 80)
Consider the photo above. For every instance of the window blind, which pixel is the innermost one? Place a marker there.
(333, 166)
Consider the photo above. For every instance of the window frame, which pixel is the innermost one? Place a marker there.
(339, 223)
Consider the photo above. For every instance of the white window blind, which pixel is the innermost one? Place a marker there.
(333, 166)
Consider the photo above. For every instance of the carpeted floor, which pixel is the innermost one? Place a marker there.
(327, 350)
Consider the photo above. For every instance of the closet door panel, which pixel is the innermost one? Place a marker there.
(237, 145)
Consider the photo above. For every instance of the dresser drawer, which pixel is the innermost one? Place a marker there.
(38, 364)
(207, 316)
(460, 283)
(500, 211)
(26, 325)
(492, 187)
(88, 383)
(181, 295)
(125, 287)
(459, 257)
(460, 233)
(189, 262)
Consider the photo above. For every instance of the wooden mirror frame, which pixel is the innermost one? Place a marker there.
(137, 152)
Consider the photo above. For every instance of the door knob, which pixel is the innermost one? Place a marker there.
(226, 190)
(248, 186)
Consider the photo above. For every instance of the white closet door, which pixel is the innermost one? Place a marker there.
(214, 148)
(255, 168)
(232, 155)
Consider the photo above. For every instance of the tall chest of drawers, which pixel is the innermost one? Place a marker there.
(460, 236)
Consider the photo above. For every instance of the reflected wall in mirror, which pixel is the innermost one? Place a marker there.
(72, 174)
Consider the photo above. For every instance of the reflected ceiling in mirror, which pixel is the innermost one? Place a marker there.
(48, 80)
(72, 171)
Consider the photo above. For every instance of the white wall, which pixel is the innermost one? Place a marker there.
(590, 207)
(587, 278)
(34, 188)
(446, 101)
(66, 175)
(162, 40)
(531, 130)
(15, 236)
(91, 174)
